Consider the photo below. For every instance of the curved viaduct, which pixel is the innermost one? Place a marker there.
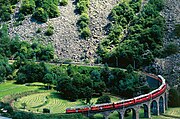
(154, 105)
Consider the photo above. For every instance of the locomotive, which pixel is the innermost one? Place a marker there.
(123, 103)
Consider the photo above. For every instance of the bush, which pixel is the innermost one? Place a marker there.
(52, 10)
(23, 115)
(40, 15)
(103, 99)
(27, 8)
(20, 17)
(39, 30)
(177, 30)
(64, 2)
(6, 16)
(49, 31)
(85, 33)
(174, 98)
(170, 49)
(82, 6)
(45, 110)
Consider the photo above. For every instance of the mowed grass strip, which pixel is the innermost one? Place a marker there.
(174, 111)
(54, 103)
(32, 101)
(9, 88)
(36, 102)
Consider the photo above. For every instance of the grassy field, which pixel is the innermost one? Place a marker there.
(50, 100)
(9, 88)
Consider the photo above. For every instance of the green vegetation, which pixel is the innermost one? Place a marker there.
(27, 7)
(103, 99)
(170, 49)
(6, 8)
(174, 98)
(83, 22)
(49, 30)
(28, 115)
(10, 88)
(63, 2)
(135, 36)
(50, 100)
(177, 30)
(22, 51)
(40, 15)
(41, 9)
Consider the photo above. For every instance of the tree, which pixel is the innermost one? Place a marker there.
(45, 110)
(103, 99)
(99, 87)
(24, 105)
(23, 115)
(173, 98)
(129, 68)
(85, 32)
(64, 2)
(87, 93)
(40, 14)
(27, 7)
(48, 79)
(95, 75)
(66, 88)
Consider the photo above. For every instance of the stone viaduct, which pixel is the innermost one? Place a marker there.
(153, 106)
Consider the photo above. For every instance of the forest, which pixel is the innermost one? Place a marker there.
(135, 36)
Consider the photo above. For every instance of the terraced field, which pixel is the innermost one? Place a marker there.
(50, 100)
(9, 88)
(174, 111)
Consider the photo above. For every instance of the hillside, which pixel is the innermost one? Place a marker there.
(170, 64)
(66, 41)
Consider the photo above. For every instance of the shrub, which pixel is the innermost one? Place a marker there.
(20, 17)
(39, 30)
(103, 99)
(45, 110)
(17, 23)
(64, 2)
(49, 31)
(40, 15)
(6, 16)
(82, 6)
(52, 10)
(85, 33)
(27, 8)
(170, 49)
(23, 115)
(84, 18)
(174, 98)
(83, 21)
(177, 30)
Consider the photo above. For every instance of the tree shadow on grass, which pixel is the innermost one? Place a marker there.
(57, 95)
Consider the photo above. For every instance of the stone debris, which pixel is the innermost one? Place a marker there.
(171, 64)
(66, 39)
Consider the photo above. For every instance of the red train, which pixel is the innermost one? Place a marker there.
(123, 103)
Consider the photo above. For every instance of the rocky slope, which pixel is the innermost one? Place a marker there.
(171, 64)
(66, 39)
